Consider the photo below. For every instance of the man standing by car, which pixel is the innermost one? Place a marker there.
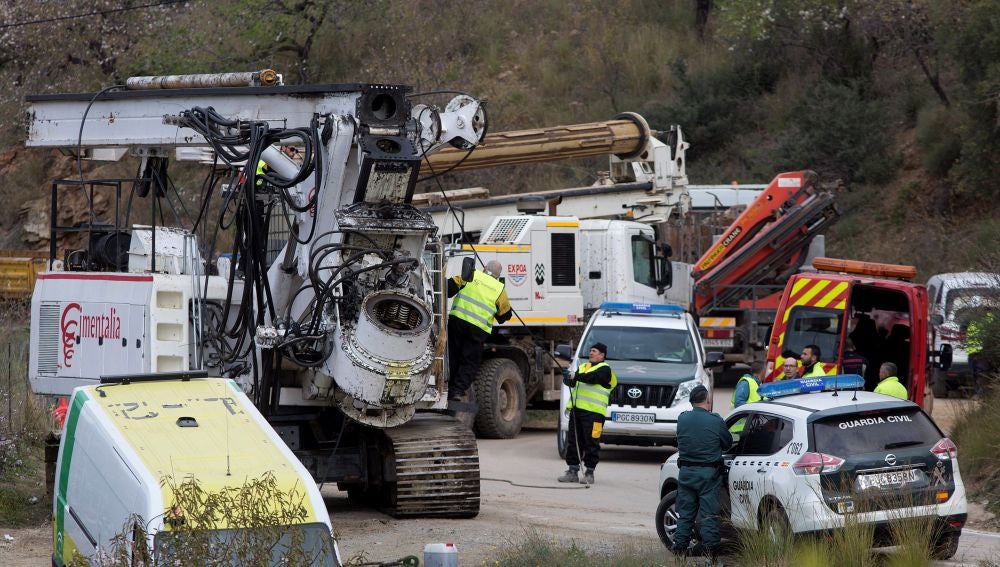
(702, 438)
(590, 392)
(789, 369)
(811, 366)
(746, 386)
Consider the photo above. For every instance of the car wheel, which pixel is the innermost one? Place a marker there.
(775, 526)
(666, 521)
(946, 546)
(561, 439)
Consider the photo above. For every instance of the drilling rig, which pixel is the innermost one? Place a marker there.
(327, 309)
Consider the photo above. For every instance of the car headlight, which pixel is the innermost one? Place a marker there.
(684, 390)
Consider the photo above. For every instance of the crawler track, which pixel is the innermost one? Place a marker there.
(433, 469)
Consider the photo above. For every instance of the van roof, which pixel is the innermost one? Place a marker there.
(202, 428)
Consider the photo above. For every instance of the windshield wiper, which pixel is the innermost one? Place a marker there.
(899, 444)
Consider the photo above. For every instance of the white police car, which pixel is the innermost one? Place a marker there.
(656, 353)
(805, 462)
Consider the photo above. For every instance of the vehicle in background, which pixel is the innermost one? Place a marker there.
(557, 271)
(18, 271)
(738, 280)
(954, 299)
(809, 463)
(860, 314)
(129, 440)
(656, 353)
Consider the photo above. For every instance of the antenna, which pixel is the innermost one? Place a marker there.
(835, 378)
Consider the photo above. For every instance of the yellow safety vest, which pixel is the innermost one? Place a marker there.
(891, 387)
(592, 397)
(753, 397)
(259, 177)
(476, 302)
(816, 372)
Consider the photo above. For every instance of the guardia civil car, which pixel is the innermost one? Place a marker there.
(811, 455)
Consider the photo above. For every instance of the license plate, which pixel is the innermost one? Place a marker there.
(887, 479)
(718, 343)
(625, 417)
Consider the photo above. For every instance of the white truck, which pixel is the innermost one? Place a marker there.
(557, 271)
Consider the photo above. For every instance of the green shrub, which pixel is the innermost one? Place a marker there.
(838, 132)
(938, 139)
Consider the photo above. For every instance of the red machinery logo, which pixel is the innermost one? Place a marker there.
(517, 273)
(77, 325)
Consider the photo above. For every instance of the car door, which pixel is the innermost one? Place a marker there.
(753, 460)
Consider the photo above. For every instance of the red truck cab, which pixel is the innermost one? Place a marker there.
(860, 314)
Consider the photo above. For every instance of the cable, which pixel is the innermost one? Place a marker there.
(512, 483)
(79, 148)
(88, 14)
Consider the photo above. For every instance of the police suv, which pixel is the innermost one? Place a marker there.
(812, 455)
(656, 353)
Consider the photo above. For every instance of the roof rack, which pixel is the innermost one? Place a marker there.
(666, 309)
(782, 388)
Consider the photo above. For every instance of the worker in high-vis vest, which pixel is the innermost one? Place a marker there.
(975, 334)
(811, 366)
(746, 386)
(476, 304)
(889, 383)
(590, 392)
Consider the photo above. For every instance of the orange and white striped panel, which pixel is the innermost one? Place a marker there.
(717, 322)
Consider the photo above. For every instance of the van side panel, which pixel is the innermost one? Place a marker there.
(822, 291)
(63, 547)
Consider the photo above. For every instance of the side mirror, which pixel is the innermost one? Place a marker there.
(564, 352)
(944, 357)
(714, 359)
(936, 319)
(666, 270)
(468, 268)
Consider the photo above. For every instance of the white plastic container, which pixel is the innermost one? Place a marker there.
(440, 555)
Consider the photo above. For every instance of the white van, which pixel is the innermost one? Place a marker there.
(126, 443)
(657, 355)
(951, 299)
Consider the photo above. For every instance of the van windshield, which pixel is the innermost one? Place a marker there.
(302, 544)
(647, 344)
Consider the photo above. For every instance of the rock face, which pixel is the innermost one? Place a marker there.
(32, 222)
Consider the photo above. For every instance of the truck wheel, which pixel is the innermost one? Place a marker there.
(501, 399)
(939, 386)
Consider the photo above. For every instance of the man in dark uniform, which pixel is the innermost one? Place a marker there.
(590, 391)
(478, 302)
(702, 438)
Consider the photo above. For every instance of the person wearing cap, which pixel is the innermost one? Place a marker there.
(702, 438)
(590, 392)
(478, 302)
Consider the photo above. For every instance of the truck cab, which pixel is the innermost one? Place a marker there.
(860, 315)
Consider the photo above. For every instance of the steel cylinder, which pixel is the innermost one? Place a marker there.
(264, 78)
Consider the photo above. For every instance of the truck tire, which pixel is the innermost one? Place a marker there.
(500, 395)
(939, 386)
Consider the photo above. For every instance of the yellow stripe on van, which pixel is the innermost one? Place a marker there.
(568, 224)
(225, 445)
(797, 286)
(837, 290)
(498, 247)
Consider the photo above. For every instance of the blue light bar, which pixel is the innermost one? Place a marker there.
(781, 388)
(642, 308)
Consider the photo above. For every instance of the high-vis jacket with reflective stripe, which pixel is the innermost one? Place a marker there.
(592, 397)
(476, 302)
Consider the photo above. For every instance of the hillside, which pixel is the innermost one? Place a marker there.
(898, 99)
